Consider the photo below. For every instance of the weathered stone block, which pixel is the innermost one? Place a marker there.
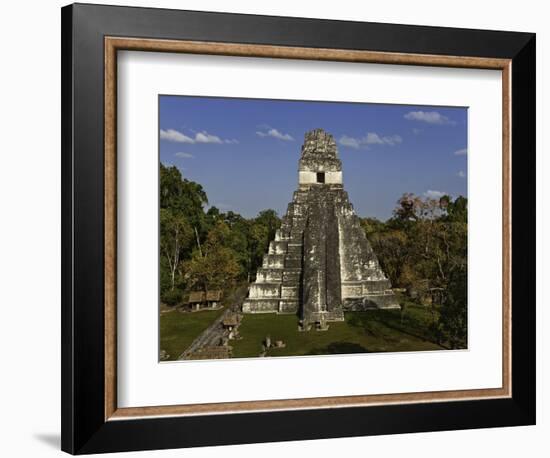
(293, 262)
(274, 261)
(278, 247)
(290, 292)
(261, 305)
(294, 249)
(292, 275)
(264, 275)
(376, 286)
(265, 290)
(288, 306)
(352, 289)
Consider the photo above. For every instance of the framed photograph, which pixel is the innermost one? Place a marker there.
(281, 228)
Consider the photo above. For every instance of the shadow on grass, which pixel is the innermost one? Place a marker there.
(374, 322)
(336, 348)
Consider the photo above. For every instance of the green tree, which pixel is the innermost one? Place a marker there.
(176, 234)
(270, 220)
(453, 320)
(392, 249)
(181, 221)
(216, 266)
(206, 249)
(423, 248)
(371, 225)
(182, 197)
(258, 242)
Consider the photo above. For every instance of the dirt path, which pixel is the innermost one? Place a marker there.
(211, 336)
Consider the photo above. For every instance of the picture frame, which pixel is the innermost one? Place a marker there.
(92, 35)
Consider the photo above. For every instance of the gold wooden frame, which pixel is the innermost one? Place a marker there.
(113, 44)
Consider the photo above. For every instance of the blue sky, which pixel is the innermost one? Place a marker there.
(245, 152)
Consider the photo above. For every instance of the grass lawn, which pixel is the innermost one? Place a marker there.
(361, 332)
(178, 330)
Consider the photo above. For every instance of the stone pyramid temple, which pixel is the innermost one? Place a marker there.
(320, 263)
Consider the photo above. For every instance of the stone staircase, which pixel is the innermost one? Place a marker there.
(277, 285)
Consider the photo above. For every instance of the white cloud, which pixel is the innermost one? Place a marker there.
(349, 141)
(461, 174)
(461, 152)
(372, 138)
(431, 194)
(416, 131)
(430, 117)
(275, 134)
(394, 139)
(205, 137)
(175, 136)
(184, 155)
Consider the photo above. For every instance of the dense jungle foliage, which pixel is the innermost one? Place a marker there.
(422, 248)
